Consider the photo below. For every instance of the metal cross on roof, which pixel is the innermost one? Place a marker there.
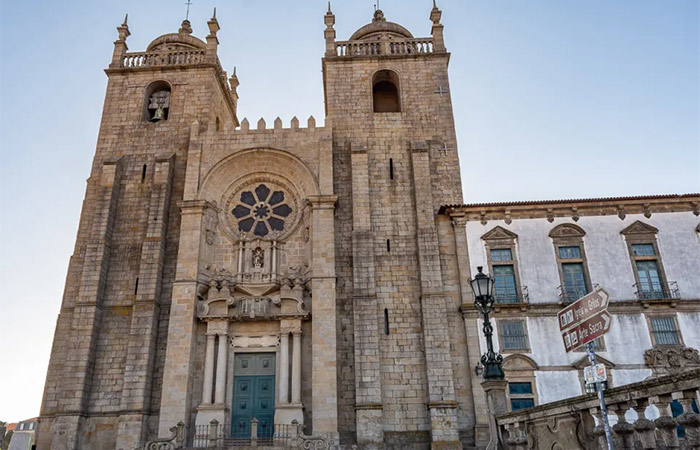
(441, 91)
(189, 2)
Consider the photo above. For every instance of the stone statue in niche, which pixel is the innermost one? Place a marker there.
(258, 257)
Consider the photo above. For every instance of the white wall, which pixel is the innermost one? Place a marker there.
(608, 259)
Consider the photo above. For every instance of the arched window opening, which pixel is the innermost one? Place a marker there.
(157, 104)
(218, 124)
(385, 92)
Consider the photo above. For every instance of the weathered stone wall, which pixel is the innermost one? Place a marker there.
(392, 208)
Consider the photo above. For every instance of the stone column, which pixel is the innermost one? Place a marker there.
(284, 368)
(220, 393)
(296, 367)
(209, 370)
(496, 405)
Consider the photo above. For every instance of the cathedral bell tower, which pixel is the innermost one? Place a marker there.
(394, 150)
(103, 387)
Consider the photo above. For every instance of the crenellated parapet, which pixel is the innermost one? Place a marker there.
(261, 126)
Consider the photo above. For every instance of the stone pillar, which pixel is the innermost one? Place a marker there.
(324, 397)
(368, 389)
(221, 361)
(143, 335)
(496, 404)
(176, 402)
(283, 395)
(296, 367)
(438, 360)
(85, 320)
(207, 388)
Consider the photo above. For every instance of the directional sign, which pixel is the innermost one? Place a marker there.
(587, 331)
(582, 309)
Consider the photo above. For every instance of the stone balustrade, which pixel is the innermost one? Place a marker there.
(640, 415)
(418, 46)
(156, 59)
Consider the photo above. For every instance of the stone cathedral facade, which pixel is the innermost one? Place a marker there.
(228, 271)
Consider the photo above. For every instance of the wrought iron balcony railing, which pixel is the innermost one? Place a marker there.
(569, 294)
(657, 290)
(512, 296)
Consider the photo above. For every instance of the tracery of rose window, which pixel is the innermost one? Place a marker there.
(261, 211)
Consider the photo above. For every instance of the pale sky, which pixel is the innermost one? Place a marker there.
(552, 99)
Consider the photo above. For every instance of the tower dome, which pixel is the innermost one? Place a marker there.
(380, 27)
(183, 39)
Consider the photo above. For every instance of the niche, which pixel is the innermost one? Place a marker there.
(157, 102)
(385, 92)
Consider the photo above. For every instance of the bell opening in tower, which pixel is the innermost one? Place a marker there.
(385, 92)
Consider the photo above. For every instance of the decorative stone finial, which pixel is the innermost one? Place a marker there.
(185, 28)
(379, 16)
(123, 29)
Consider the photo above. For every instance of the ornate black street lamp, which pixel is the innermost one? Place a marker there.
(482, 285)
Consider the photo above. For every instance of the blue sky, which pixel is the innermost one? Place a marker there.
(552, 99)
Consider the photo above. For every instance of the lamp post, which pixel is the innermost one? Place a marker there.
(482, 285)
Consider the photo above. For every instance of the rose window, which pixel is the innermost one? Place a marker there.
(261, 211)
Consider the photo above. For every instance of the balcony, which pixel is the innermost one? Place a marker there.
(569, 294)
(511, 296)
(657, 290)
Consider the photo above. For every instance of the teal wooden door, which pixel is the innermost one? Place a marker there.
(253, 394)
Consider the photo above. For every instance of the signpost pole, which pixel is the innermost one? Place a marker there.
(601, 399)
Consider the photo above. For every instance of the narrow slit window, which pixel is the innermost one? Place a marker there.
(386, 321)
(136, 286)
(143, 173)
(388, 245)
(391, 168)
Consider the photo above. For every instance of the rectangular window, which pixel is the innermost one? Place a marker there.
(504, 276)
(520, 388)
(521, 403)
(570, 252)
(520, 395)
(598, 345)
(643, 250)
(574, 280)
(501, 254)
(513, 336)
(649, 279)
(665, 331)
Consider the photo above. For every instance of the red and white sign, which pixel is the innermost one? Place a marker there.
(587, 331)
(583, 308)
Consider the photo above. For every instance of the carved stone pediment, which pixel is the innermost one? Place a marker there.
(672, 359)
(567, 230)
(584, 362)
(499, 233)
(639, 228)
(519, 363)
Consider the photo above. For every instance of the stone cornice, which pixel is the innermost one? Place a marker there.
(510, 310)
(575, 208)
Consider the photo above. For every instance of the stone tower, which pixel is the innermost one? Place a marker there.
(303, 271)
(395, 160)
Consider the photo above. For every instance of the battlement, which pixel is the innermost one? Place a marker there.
(278, 126)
